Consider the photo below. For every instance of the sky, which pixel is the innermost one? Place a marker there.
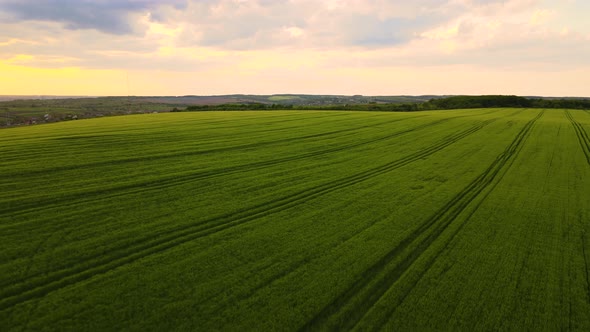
(346, 47)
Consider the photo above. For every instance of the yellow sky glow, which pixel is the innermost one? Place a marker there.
(18, 80)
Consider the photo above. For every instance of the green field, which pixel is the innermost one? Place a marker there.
(445, 220)
(282, 98)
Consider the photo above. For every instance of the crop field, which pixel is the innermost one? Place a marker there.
(312, 220)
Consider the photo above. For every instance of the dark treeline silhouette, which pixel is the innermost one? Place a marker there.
(504, 101)
(455, 102)
(478, 102)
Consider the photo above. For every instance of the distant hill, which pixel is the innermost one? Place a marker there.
(20, 110)
(283, 99)
(37, 97)
(288, 99)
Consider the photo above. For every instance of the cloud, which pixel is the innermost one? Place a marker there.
(260, 24)
(293, 41)
(540, 17)
(109, 16)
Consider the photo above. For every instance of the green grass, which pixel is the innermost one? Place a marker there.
(282, 98)
(446, 220)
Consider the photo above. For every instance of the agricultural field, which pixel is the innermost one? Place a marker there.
(298, 220)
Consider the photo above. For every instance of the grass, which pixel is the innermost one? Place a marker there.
(282, 98)
(448, 220)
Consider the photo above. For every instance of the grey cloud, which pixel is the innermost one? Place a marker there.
(258, 24)
(370, 32)
(109, 16)
(246, 25)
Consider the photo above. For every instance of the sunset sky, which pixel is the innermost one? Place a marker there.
(369, 47)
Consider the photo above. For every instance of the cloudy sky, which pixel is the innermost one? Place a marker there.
(370, 47)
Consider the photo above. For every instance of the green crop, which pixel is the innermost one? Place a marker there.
(312, 220)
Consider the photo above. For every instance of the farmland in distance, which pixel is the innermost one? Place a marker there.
(310, 220)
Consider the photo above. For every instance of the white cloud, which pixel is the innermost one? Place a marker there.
(540, 16)
(295, 32)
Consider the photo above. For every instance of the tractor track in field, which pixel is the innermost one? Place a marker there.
(480, 188)
(36, 287)
(115, 139)
(370, 290)
(582, 135)
(289, 118)
(102, 135)
(174, 180)
(202, 152)
(215, 150)
(109, 134)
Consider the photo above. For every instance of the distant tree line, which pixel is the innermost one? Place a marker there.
(477, 102)
(504, 101)
(455, 102)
